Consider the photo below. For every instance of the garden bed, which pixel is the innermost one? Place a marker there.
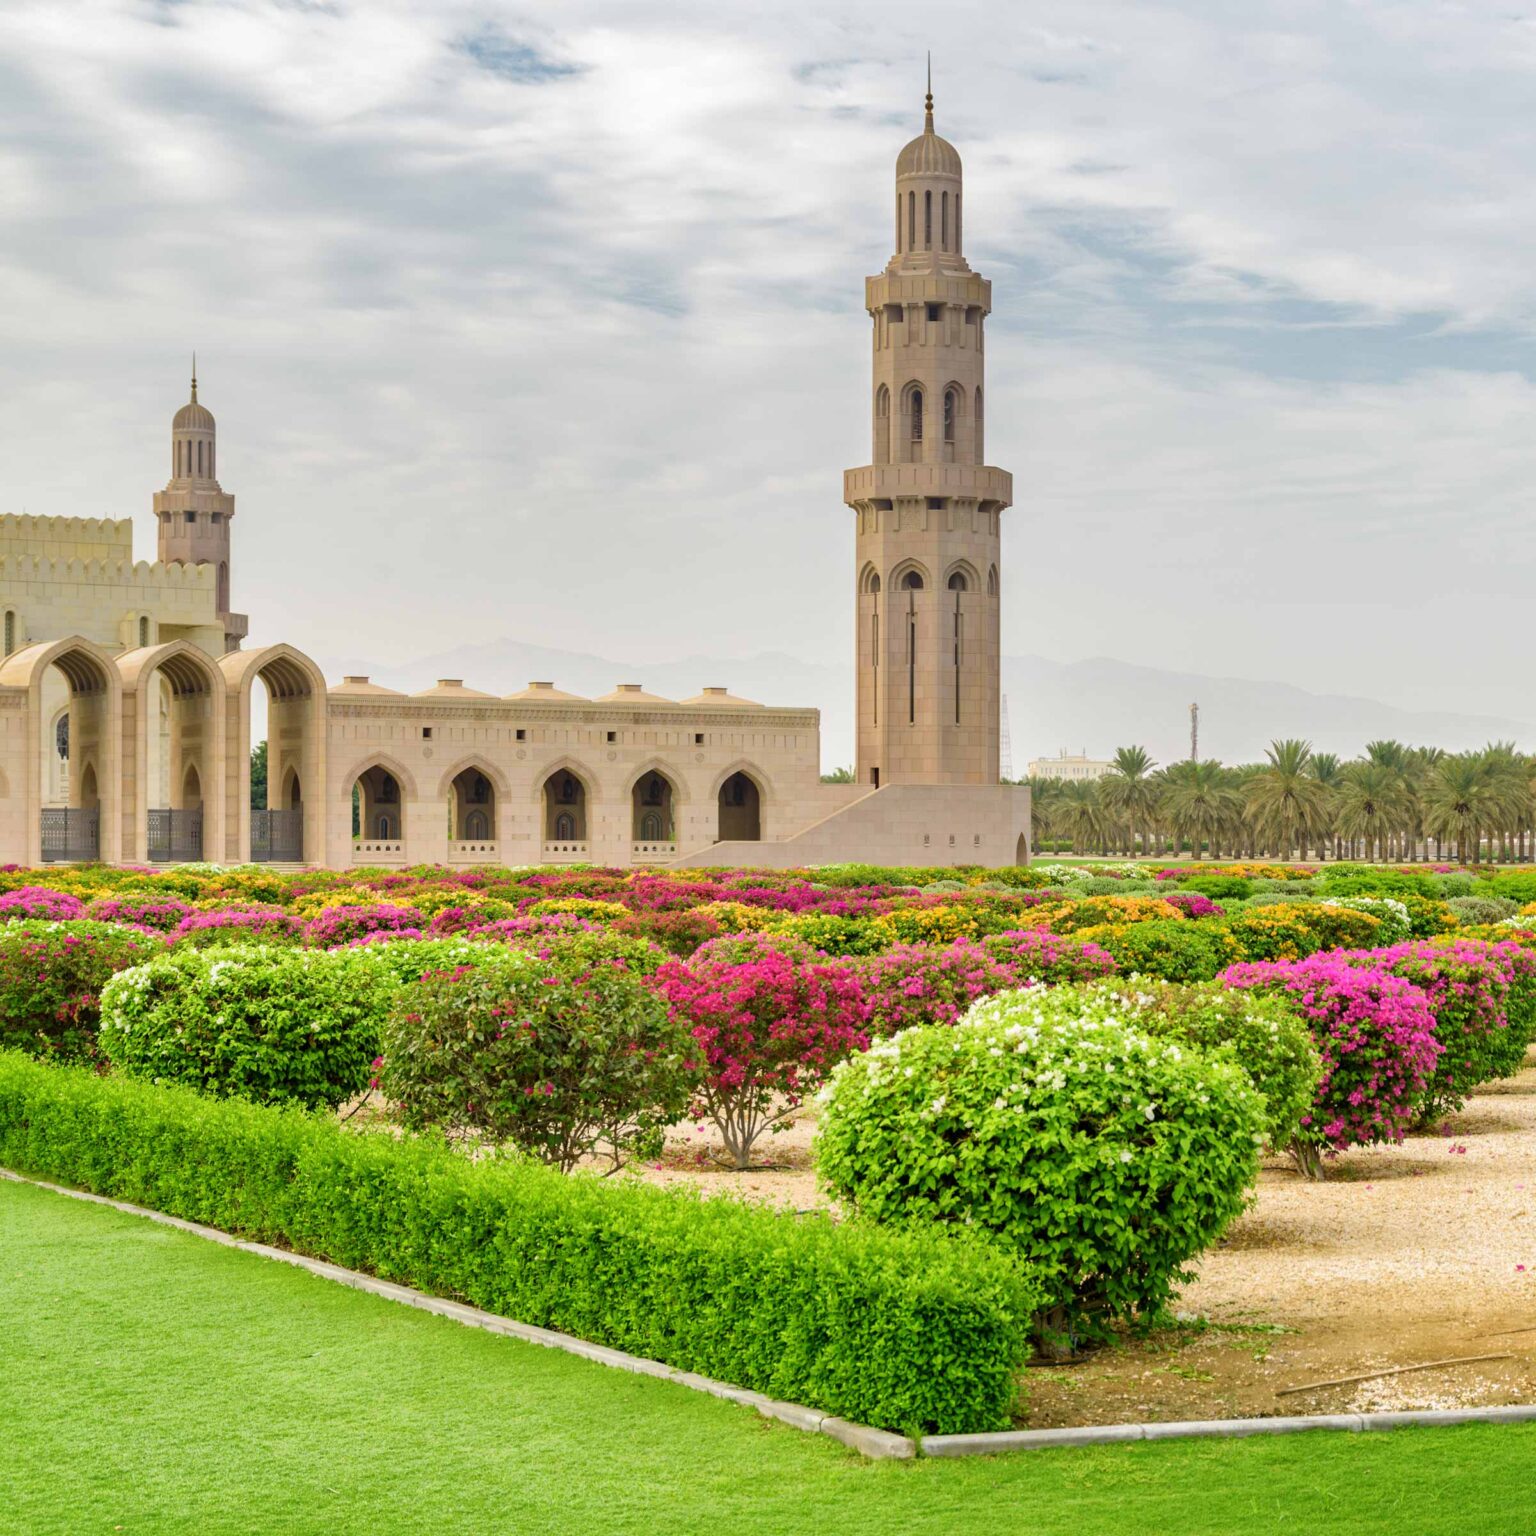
(1405, 1254)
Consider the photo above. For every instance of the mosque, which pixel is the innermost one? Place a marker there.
(126, 687)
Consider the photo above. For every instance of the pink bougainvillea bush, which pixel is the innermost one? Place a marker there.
(925, 984)
(1375, 1034)
(336, 926)
(770, 1027)
(163, 914)
(1050, 958)
(208, 930)
(1193, 904)
(38, 903)
(1469, 986)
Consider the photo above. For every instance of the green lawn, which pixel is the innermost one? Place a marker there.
(153, 1382)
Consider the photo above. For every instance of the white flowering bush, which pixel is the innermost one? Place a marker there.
(1105, 1158)
(278, 1025)
(1265, 1035)
(1396, 924)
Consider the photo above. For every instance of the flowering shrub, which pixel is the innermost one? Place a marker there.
(297, 1026)
(557, 1054)
(37, 903)
(1375, 1034)
(1192, 904)
(770, 1029)
(1048, 958)
(1271, 933)
(51, 976)
(679, 932)
(1468, 986)
(576, 906)
(1481, 909)
(923, 984)
(1172, 951)
(1262, 1034)
(1094, 911)
(1105, 1158)
(345, 924)
(161, 913)
(837, 935)
(205, 930)
(1389, 911)
(940, 924)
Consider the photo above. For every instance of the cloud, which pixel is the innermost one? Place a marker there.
(548, 324)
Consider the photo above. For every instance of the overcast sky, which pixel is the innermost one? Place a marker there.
(545, 322)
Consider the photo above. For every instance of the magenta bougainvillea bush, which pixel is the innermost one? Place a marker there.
(38, 903)
(163, 914)
(336, 926)
(929, 984)
(1050, 958)
(206, 930)
(1375, 1033)
(770, 1030)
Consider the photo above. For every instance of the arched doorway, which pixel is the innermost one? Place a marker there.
(378, 814)
(652, 830)
(276, 815)
(565, 817)
(741, 810)
(74, 699)
(173, 717)
(471, 814)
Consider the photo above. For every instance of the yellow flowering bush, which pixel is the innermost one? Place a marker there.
(585, 907)
(1114, 911)
(930, 925)
(738, 917)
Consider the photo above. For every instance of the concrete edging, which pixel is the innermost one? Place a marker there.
(877, 1444)
(863, 1438)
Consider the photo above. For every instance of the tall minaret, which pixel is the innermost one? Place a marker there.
(928, 506)
(194, 514)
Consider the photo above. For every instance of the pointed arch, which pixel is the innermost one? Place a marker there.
(902, 577)
(913, 423)
(991, 581)
(869, 579)
(883, 425)
(970, 581)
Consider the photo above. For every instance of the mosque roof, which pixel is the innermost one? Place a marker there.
(360, 687)
(632, 693)
(451, 688)
(721, 698)
(928, 154)
(546, 692)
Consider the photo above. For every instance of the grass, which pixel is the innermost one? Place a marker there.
(154, 1382)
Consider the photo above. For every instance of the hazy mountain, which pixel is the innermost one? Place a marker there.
(1097, 704)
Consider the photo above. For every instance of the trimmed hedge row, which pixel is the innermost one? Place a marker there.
(909, 1330)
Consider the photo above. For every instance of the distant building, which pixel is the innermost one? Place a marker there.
(1069, 766)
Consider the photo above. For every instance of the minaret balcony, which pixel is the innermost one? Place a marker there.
(872, 482)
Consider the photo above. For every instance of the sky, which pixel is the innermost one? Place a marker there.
(544, 322)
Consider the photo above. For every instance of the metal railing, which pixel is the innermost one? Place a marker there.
(175, 837)
(70, 834)
(277, 837)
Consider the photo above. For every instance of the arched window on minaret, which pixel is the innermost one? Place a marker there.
(911, 221)
(944, 221)
(143, 631)
(979, 456)
(199, 460)
(957, 224)
(912, 584)
(951, 413)
(927, 221)
(957, 585)
(882, 425)
(914, 423)
(898, 223)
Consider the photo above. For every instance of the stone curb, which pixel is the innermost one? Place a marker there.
(1215, 1429)
(863, 1438)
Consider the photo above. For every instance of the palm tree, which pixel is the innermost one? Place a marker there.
(1082, 817)
(1372, 803)
(1285, 802)
(1462, 797)
(1044, 810)
(1128, 793)
(1200, 803)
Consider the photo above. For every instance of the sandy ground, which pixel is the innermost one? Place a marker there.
(1404, 1255)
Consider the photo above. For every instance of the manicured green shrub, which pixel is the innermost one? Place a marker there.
(1355, 880)
(835, 935)
(1263, 1035)
(51, 976)
(1172, 950)
(561, 1054)
(1105, 1158)
(905, 1330)
(1482, 909)
(1218, 887)
(294, 1026)
(1516, 885)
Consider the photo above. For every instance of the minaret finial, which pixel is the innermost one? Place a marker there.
(928, 103)
(194, 378)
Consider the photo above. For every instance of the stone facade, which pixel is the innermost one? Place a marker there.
(126, 688)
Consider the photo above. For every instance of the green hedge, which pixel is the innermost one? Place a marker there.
(915, 1331)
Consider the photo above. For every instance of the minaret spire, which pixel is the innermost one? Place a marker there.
(194, 378)
(928, 102)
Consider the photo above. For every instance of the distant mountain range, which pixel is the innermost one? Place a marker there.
(1098, 704)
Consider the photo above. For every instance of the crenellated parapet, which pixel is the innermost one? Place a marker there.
(66, 538)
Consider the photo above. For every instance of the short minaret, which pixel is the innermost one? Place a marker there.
(192, 511)
(928, 506)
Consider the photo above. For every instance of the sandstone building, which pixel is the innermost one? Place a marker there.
(126, 687)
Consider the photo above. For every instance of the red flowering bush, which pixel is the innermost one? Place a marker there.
(770, 1028)
(1375, 1033)
(558, 1054)
(1193, 904)
(51, 976)
(679, 932)
(1049, 958)
(924, 984)
(162, 913)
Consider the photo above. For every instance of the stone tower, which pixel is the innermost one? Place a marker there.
(193, 512)
(928, 505)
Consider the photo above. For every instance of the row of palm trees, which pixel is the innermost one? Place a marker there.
(1396, 804)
